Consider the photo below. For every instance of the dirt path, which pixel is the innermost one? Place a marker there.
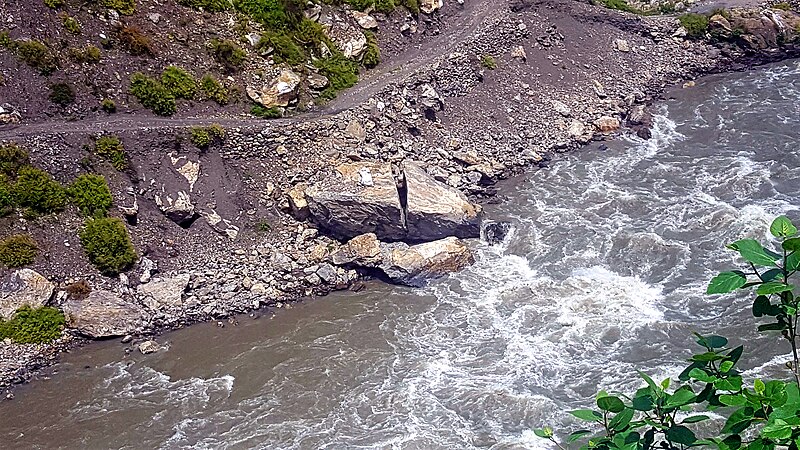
(463, 24)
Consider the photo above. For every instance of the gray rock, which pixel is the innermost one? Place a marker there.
(148, 347)
(417, 264)
(495, 232)
(104, 314)
(364, 251)
(165, 292)
(178, 208)
(24, 287)
(327, 273)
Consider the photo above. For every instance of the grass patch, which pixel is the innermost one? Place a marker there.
(71, 24)
(135, 41)
(89, 54)
(108, 105)
(207, 5)
(33, 326)
(17, 251)
(696, 25)
(124, 7)
(372, 56)
(266, 113)
(35, 54)
(38, 193)
(285, 50)
(341, 72)
(107, 244)
(228, 54)
(110, 147)
(179, 83)
(152, 94)
(12, 158)
(488, 62)
(203, 137)
(213, 89)
(91, 195)
(275, 15)
(62, 94)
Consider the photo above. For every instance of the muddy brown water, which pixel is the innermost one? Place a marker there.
(603, 274)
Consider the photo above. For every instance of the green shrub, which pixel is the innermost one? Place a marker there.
(360, 5)
(179, 83)
(5, 40)
(54, 3)
(275, 15)
(412, 5)
(214, 90)
(284, 47)
(17, 250)
(36, 55)
(135, 41)
(71, 25)
(203, 137)
(33, 326)
(37, 192)
(621, 5)
(6, 196)
(228, 54)
(91, 195)
(385, 6)
(124, 7)
(309, 33)
(266, 113)
(62, 94)
(89, 54)
(207, 5)
(783, 6)
(488, 62)
(341, 72)
(107, 244)
(108, 105)
(110, 148)
(152, 94)
(12, 158)
(696, 25)
(372, 57)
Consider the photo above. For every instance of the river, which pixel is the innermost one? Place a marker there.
(604, 273)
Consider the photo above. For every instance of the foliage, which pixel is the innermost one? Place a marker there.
(107, 244)
(179, 83)
(696, 25)
(33, 326)
(621, 5)
(71, 24)
(135, 41)
(275, 15)
(285, 49)
(783, 6)
(207, 5)
(36, 55)
(214, 90)
(91, 195)
(228, 54)
(341, 72)
(124, 7)
(385, 6)
(89, 54)
(372, 57)
(110, 148)
(54, 3)
(760, 416)
(152, 94)
(62, 94)
(203, 137)
(412, 5)
(6, 196)
(12, 158)
(488, 62)
(5, 40)
(266, 113)
(108, 105)
(17, 250)
(37, 192)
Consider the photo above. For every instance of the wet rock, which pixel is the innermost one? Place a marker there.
(164, 292)
(416, 265)
(435, 210)
(364, 251)
(104, 314)
(24, 287)
(178, 208)
(148, 347)
(495, 232)
(358, 198)
(279, 92)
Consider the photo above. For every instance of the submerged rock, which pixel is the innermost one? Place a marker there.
(495, 232)
(104, 314)
(25, 287)
(148, 347)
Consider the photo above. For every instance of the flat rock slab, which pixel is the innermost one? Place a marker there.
(164, 292)
(24, 287)
(104, 314)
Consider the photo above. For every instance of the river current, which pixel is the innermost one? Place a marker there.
(603, 274)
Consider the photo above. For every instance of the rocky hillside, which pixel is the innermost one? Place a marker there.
(138, 195)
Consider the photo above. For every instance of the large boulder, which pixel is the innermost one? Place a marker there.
(417, 264)
(364, 251)
(348, 38)
(178, 207)
(24, 287)
(358, 198)
(435, 210)
(162, 292)
(104, 314)
(279, 92)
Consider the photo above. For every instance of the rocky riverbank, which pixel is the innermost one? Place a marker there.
(225, 230)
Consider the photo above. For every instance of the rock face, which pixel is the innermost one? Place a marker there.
(358, 198)
(434, 210)
(279, 92)
(164, 292)
(178, 208)
(415, 265)
(104, 314)
(24, 287)
(758, 28)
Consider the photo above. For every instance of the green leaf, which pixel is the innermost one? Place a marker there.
(771, 274)
(650, 382)
(779, 429)
(782, 227)
(682, 396)
(729, 384)
(753, 252)
(738, 421)
(706, 357)
(610, 403)
(726, 282)
(793, 261)
(726, 366)
(587, 415)
(763, 307)
(681, 435)
(780, 326)
(577, 435)
(773, 287)
(695, 419)
(732, 400)
(545, 432)
(732, 442)
(643, 402)
(702, 375)
(791, 245)
(759, 386)
(621, 420)
(735, 354)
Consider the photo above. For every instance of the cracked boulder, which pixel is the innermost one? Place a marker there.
(281, 91)
(24, 287)
(104, 314)
(435, 210)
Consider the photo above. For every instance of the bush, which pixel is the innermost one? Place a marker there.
(17, 250)
(266, 113)
(6, 41)
(152, 94)
(275, 15)
(207, 5)
(488, 62)
(179, 83)
(107, 244)
(33, 326)
(54, 3)
(62, 94)
(621, 5)
(696, 25)
(91, 195)
(203, 137)
(136, 42)
(372, 57)
(38, 192)
(124, 7)
(36, 55)
(360, 5)
(71, 25)
(108, 105)
(228, 54)
(110, 148)
(6, 196)
(412, 5)
(214, 90)
(385, 6)
(341, 72)
(12, 158)
(285, 49)
(89, 54)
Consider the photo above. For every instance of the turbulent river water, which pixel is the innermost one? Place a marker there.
(603, 274)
